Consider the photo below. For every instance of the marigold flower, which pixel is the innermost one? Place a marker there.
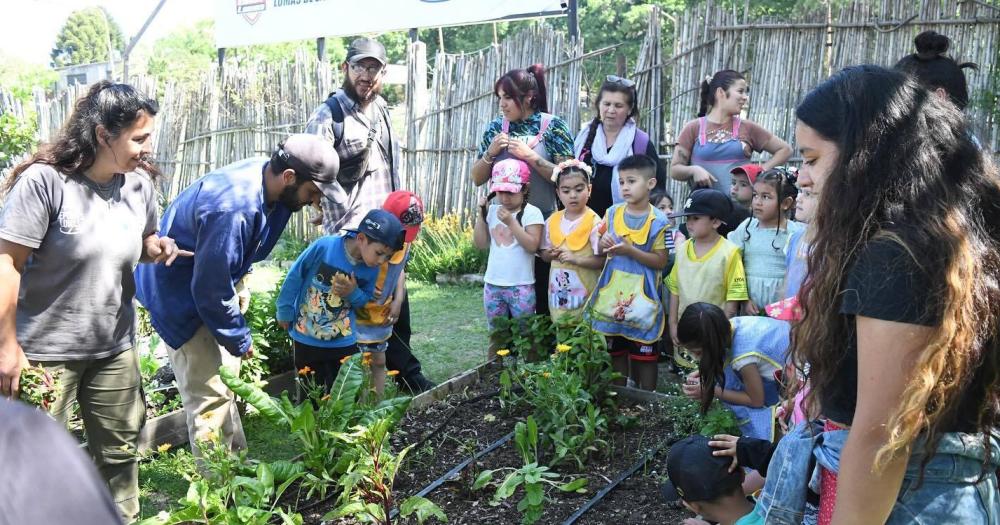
(305, 370)
(163, 448)
(392, 373)
(503, 352)
(343, 360)
(563, 348)
(367, 355)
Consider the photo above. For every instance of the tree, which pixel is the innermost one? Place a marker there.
(85, 37)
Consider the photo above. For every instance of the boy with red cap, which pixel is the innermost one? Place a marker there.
(377, 318)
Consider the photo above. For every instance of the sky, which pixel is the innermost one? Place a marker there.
(32, 25)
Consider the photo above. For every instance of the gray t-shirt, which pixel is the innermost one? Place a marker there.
(75, 300)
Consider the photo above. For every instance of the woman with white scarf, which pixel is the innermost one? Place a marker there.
(612, 136)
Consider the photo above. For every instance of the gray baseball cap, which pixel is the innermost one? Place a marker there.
(363, 48)
(313, 157)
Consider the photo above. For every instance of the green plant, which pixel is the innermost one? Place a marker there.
(38, 387)
(444, 246)
(288, 247)
(366, 484)
(531, 476)
(272, 347)
(688, 419)
(322, 414)
(531, 336)
(565, 392)
(229, 490)
(17, 136)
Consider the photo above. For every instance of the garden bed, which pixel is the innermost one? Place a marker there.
(471, 419)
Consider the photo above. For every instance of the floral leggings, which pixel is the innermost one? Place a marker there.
(508, 301)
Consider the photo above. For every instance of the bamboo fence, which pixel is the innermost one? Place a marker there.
(784, 59)
(244, 109)
(444, 138)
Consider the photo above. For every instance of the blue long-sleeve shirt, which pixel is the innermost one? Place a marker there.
(225, 220)
(317, 316)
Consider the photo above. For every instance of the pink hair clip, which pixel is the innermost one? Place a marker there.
(571, 163)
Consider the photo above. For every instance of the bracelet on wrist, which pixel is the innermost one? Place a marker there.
(488, 159)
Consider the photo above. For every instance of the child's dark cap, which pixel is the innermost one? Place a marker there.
(382, 227)
(696, 475)
(704, 201)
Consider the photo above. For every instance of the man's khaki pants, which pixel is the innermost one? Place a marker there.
(109, 392)
(209, 405)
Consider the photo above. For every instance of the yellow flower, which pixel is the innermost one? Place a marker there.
(305, 370)
(561, 348)
(206, 416)
(163, 448)
(367, 355)
(209, 436)
(392, 373)
(325, 398)
(503, 352)
(123, 448)
(546, 374)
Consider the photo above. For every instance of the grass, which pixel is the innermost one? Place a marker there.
(449, 337)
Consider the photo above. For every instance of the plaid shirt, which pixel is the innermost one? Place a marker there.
(383, 175)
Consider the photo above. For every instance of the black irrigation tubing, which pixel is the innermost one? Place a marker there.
(456, 469)
(611, 486)
(447, 418)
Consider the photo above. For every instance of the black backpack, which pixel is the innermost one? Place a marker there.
(353, 169)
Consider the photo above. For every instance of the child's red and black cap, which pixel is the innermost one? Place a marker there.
(750, 170)
(708, 202)
(696, 475)
(409, 209)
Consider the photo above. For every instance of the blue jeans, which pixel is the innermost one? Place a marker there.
(951, 491)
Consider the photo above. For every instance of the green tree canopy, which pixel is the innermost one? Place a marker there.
(84, 38)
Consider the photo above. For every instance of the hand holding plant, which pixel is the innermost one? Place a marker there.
(38, 387)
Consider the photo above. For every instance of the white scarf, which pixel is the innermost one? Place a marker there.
(599, 152)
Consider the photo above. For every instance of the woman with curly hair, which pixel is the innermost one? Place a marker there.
(901, 330)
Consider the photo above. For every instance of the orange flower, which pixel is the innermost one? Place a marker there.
(305, 371)
(367, 355)
(344, 359)
(391, 373)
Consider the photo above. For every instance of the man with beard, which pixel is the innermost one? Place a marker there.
(355, 121)
(230, 218)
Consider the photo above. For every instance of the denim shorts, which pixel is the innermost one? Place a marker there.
(956, 488)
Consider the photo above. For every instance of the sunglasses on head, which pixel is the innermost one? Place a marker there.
(615, 79)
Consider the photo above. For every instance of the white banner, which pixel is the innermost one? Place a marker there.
(245, 22)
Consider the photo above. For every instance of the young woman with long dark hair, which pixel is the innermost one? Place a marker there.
(901, 329)
(78, 216)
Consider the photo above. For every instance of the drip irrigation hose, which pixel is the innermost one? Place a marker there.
(611, 486)
(456, 469)
(448, 418)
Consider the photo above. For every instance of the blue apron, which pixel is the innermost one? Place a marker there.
(718, 158)
(765, 339)
(627, 298)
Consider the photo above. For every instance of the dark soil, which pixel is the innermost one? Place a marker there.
(453, 429)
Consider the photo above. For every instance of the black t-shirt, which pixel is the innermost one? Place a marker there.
(886, 283)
